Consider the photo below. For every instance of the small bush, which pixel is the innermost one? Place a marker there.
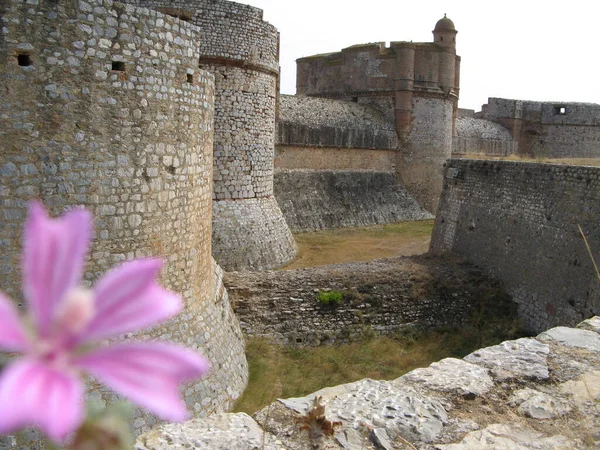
(330, 298)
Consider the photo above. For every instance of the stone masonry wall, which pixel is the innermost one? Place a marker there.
(490, 147)
(313, 200)
(549, 129)
(319, 122)
(103, 105)
(381, 297)
(328, 158)
(483, 137)
(428, 146)
(242, 51)
(256, 225)
(519, 221)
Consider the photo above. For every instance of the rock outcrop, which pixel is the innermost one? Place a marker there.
(534, 393)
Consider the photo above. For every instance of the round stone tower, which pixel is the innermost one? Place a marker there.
(103, 105)
(242, 51)
(433, 107)
(444, 33)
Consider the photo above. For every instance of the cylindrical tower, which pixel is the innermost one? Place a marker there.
(433, 114)
(103, 105)
(404, 86)
(241, 50)
(444, 35)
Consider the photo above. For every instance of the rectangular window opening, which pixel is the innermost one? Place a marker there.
(118, 66)
(190, 78)
(179, 13)
(560, 110)
(24, 60)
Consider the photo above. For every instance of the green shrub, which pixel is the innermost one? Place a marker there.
(330, 298)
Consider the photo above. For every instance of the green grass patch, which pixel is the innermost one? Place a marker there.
(330, 298)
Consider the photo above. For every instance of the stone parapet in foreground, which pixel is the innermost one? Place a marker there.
(531, 393)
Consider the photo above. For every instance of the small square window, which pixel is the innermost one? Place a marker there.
(560, 110)
(24, 60)
(118, 66)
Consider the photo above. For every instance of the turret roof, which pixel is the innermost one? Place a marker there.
(444, 24)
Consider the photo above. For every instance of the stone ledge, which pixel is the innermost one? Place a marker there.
(428, 408)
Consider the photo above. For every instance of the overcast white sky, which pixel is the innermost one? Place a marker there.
(524, 49)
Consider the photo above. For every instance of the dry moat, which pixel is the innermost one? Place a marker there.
(398, 309)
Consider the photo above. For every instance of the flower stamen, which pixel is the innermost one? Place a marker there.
(75, 311)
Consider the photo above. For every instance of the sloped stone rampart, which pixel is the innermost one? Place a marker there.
(451, 405)
(519, 221)
(252, 233)
(470, 127)
(318, 122)
(483, 137)
(313, 200)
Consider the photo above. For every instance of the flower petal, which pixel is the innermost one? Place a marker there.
(128, 299)
(32, 393)
(53, 257)
(12, 335)
(147, 373)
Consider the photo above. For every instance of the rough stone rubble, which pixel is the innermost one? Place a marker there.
(534, 393)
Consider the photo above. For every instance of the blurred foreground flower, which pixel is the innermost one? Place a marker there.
(44, 388)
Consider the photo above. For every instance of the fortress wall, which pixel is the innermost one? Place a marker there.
(490, 147)
(313, 200)
(428, 146)
(113, 113)
(254, 225)
(549, 129)
(481, 136)
(321, 122)
(350, 151)
(242, 51)
(565, 141)
(519, 222)
(369, 67)
(229, 32)
(328, 158)
(325, 134)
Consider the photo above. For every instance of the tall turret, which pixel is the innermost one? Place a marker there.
(444, 33)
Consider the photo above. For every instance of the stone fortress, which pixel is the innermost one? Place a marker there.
(164, 118)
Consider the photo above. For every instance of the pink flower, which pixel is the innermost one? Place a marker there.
(44, 387)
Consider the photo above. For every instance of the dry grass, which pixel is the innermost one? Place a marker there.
(361, 244)
(281, 372)
(564, 161)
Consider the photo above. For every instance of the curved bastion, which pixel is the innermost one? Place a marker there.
(242, 51)
(103, 105)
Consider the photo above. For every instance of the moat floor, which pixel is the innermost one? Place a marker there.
(346, 245)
